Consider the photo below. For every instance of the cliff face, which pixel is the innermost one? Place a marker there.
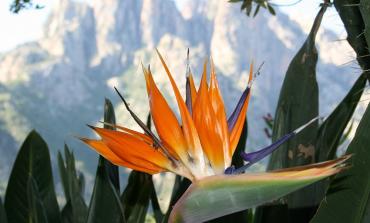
(57, 84)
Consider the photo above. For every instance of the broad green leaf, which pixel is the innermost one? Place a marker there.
(299, 103)
(37, 208)
(365, 12)
(348, 196)
(33, 159)
(277, 213)
(109, 117)
(105, 204)
(135, 198)
(220, 195)
(67, 215)
(73, 185)
(3, 218)
(332, 129)
(349, 12)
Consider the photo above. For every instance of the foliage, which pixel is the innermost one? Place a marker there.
(31, 184)
(105, 204)
(350, 190)
(31, 197)
(248, 5)
(19, 5)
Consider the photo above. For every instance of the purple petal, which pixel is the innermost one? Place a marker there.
(254, 157)
(230, 170)
(260, 154)
(188, 101)
(234, 116)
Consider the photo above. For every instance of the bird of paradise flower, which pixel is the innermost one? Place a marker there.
(201, 147)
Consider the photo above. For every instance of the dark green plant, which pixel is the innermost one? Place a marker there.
(326, 138)
(248, 5)
(31, 184)
(19, 5)
(350, 190)
(75, 209)
(105, 205)
(30, 195)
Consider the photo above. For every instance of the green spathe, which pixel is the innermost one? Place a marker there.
(220, 195)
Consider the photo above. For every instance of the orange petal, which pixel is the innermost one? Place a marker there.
(103, 150)
(139, 135)
(188, 127)
(165, 120)
(133, 150)
(237, 130)
(219, 109)
(208, 130)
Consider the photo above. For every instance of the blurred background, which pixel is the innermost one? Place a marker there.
(59, 62)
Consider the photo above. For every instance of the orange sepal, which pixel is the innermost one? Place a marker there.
(188, 127)
(204, 119)
(219, 109)
(139, 135)
(100, 147)
(193, 90)
(165, 120)
(133, 150)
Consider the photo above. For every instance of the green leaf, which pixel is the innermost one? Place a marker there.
(271, 9)
(63, 176)
(220, 195)
(37, 208)
(299, 103)
(256, 10)
(247, 5)
(158, 214)
(135, 198)
(332, 129)
(105, 204)
(347, 199)
(110, 117)
(67, 215)
(33, 160)
(365, 12)
(73, 185)
(349, 12)
(3, 217)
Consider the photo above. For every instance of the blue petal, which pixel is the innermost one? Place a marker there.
(234, 116)
(188, 101)
(254, 157)
(260, 154)
(230, 170)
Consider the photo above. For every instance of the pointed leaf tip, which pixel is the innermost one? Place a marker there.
(220, 195)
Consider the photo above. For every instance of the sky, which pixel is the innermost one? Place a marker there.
(28, 24)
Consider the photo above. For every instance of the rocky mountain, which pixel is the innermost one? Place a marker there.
(58, 83)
